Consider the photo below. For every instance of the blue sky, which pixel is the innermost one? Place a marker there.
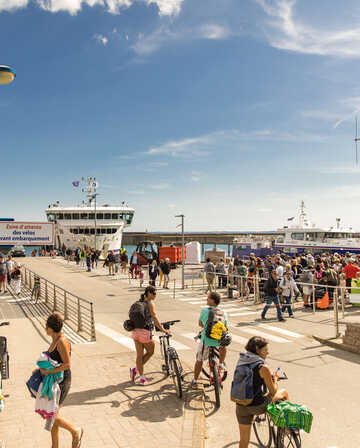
(229, 111)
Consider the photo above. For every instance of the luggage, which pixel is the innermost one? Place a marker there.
(289, 415)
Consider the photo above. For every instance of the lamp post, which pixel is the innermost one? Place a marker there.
(183, 250)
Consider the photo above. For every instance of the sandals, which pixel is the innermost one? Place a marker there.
(81, 430)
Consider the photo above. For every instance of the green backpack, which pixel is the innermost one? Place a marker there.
(289, 415)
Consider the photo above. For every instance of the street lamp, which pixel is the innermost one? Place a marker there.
(183, 249)
(7, 74)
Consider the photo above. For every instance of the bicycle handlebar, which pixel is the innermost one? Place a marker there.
(4, 323)
(168, 324)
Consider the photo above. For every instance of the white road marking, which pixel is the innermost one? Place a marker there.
(239, 339)
(177, 345)
(229, 305)
(194, 298)
(198, 302)
(264, 335)
(118, 337)
(190, 335)
(228, 310)
(282, 331)
(246, 313)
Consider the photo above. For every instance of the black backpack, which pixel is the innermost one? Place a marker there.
(137, 314)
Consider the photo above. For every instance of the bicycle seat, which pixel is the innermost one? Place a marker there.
(169, 323)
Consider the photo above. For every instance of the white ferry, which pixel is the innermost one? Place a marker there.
(300, 237)
(89, 224)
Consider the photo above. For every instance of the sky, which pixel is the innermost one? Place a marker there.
(231, 112)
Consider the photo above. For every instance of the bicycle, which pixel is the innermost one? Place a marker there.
(172, 365)
(216, 375)
(266, 433)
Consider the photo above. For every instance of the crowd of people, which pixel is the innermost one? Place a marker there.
(10, 273)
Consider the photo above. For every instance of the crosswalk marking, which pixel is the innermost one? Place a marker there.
(118, 337)
(177, 345)
(189, 336)
(194, 298)
(229, 305)
(246, 313)
(198, 302)
(229, 310)
(239, 339)
(282, 331)
(268, 336)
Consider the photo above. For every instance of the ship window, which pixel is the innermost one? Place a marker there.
(108, 231)
(67, 216)
(129, 218)
(86, 231)
(121, 216)
(115, 216)
(103, 230)
(83, 216)
(75, 231)
(297, 236)
(98, 231)
(107, 216)
(75, 216)
(60, 216)
(81, 231)
(99, 216)
(51, 217)
(311, 236)
(92, 231)
(91, 215)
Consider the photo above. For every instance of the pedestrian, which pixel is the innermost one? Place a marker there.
(134, 261)
(10, 266)
(124, 261)
(153, 273)
(110, 262)
(307, 278)
(221, 273)
(289, 290)
(60, 351)
(143, 336)
(272, 290)
(93, 258)
(77, 255)
(16, 277)
(3, 273)
(166, 268)
(117, 260)
(209, 270)
(350, 271)
(88, 260)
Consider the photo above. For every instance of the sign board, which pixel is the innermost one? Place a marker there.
(18, 233)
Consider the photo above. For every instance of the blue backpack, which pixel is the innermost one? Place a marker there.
(242, 387)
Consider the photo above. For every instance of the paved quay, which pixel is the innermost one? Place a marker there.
(116, 413)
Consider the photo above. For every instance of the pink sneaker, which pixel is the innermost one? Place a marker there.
(143, 380)
(133, 373)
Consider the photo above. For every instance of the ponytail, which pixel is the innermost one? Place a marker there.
(148, 290)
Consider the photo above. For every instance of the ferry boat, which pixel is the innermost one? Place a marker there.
(89, 224)
(299, 238)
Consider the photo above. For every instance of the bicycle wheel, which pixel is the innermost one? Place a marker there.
(216, 384)
(164, 354)
(288, 438)
(262, 430)
(176, 376)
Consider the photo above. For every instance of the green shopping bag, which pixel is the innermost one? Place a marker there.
(290, 415)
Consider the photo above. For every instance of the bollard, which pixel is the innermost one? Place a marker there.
(79, 315)
(343, 302)
(55, 304)
(65, 306)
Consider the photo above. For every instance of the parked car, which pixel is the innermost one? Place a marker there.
(18, 251)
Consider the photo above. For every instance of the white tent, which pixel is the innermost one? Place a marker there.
(193, 253)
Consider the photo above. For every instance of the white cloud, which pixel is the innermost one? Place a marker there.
(101, 39)
(159, 187)
(136, 192)
(172, 205)
(175, 148)
(165, 7)
(159, 164)
(195, 178)
(287, 32)
(9, 5)
(339, 170)
(214, 31)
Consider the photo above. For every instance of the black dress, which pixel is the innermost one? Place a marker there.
(66, 382)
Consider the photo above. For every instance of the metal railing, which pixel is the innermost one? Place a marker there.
(78, 313)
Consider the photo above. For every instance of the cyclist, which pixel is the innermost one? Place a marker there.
(143, 336)
(213, 301)
(257, 349)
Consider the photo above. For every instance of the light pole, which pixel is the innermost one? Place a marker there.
(183, 250)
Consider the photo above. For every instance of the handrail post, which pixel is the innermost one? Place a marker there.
(46, 292)
(93, 332)
(30, 283)
(343, 302)
(336, 315)
(313, 297)
(55, 304)
(79, 315)
(65, 306)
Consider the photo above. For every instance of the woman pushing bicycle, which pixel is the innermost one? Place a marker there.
(246, 408)
(143, 316)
